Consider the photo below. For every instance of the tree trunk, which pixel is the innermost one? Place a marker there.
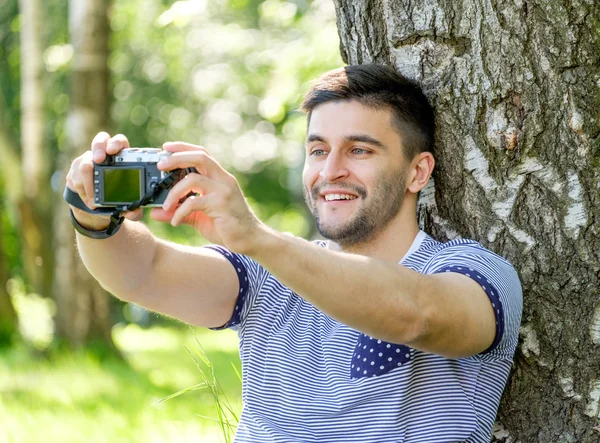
(83, 306)
(36, 198)
(516, 89)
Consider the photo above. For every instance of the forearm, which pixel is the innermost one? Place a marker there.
(121, 263)
(374, 296)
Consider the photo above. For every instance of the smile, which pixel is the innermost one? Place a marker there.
(333, 197)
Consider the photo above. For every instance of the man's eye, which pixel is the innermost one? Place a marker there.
(317, 152)
(360, 151)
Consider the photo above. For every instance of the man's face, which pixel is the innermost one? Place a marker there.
(355, 171)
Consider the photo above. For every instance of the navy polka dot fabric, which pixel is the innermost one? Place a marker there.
(244, 284)
(377, 357)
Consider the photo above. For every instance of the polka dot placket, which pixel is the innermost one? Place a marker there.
(376, 357)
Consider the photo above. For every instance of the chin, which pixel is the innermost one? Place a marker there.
(342, 235)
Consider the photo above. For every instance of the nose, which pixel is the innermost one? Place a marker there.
(334, 168)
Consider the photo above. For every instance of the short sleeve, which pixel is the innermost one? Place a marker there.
(249, 276)
(497, 278)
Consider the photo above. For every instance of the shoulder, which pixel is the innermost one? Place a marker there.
(470, 258)
(466, 252)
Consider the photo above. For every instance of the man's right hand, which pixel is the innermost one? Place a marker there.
(80, 179)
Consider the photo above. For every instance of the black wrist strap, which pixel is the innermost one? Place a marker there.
(116, 220)
(72, 198)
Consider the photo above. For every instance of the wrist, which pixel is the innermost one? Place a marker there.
(90, 221)
(267, 244)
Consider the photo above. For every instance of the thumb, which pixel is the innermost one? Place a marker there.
(161, 215)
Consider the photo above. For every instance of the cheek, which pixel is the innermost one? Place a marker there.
(310, 174)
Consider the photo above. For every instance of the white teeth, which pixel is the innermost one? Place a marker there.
(330, 197)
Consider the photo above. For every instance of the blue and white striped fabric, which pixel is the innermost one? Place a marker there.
(308, 378)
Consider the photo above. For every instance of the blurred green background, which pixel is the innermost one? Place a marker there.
(75, 363)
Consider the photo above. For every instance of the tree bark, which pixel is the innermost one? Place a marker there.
(35, 197)
(516, 89)
(82, 305)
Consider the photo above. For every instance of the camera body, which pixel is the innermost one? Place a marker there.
(126, 177)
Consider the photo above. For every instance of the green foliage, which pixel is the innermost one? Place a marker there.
(9, 63)
(35, 314)
(10, 239)
(227, 416)
(76, 397)
(57, 60)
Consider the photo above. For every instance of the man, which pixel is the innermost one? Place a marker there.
(380, 334)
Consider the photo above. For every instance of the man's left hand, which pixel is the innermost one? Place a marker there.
(218, 211)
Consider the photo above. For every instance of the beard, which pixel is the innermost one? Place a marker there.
(374, 214)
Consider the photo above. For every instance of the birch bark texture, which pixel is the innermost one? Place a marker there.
(516, 89)
(82, 305)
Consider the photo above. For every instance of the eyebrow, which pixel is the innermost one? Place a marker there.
(349, 138)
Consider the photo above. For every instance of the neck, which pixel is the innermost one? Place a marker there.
(393, 242)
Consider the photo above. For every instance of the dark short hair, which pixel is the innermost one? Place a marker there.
(379, 87)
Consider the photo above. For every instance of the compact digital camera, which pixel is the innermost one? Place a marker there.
(128, 176)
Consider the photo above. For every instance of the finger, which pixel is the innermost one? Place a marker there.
(161, 215)
(181, 146)
(77, 186)
(191, 204)
(99, 146)
(202, 161)
(71, 173)
(116, 143)
(135, 215)
(74, 178)
(86, 174)
(193, 182)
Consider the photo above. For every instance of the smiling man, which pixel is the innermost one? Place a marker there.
(380, 333)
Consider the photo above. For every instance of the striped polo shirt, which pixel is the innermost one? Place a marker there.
(309, 378)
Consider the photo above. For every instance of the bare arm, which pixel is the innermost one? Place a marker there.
(447, 314)
(195, 285)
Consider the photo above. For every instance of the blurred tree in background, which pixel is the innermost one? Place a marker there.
(82, 306)
(226, 74)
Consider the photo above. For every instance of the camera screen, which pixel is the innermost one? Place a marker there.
(122, 185)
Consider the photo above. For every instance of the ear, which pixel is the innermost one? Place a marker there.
(420, 171)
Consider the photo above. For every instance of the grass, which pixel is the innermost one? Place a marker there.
(75, 397)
